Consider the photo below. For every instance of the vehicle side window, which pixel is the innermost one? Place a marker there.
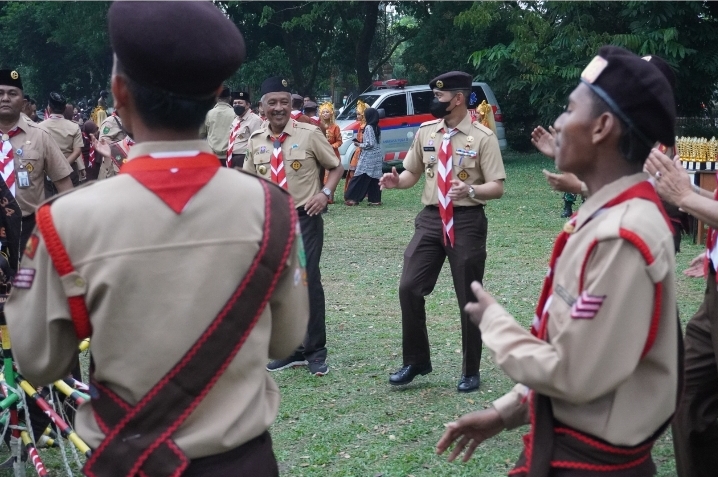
(477, 96)
(394, 105)
(422, 101)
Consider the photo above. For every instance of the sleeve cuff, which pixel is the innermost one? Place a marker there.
(513, 407)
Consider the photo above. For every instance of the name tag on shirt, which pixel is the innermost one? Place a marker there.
(429, 148)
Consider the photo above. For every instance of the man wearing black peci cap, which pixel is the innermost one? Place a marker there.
(67, 135)
(244, 124)
(599, 373)
(463, 166)
(291, 154)
(218, 125)
(179, 382)
(34, 154)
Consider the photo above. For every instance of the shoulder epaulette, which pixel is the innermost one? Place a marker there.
(482, 128)
(427, 123)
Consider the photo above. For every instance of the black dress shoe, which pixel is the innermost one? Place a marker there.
(468, 383)
(407, 374)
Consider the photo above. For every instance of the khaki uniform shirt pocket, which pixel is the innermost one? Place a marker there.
(31, 161)
(465, 169)
(262, 163)
(298, 164)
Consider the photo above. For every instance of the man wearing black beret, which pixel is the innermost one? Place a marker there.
(462, 163)
(598, 373)
(244, 124)
(181, 271)
(291, 153)
(33, 152)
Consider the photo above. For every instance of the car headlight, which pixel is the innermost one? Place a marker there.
(347, 135)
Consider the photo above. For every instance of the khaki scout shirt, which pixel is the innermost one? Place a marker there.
(154, 282)
(41, 154)
(591, 368)
(217, 126)
(476, 157)
(111, 129)
(304, 151)
(250, 122)
(67, 135)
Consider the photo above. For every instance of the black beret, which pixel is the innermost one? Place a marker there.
(275, 84)
(636, 91)
(57, 100)
(185, 48)
(451, 81)
(665, 68)
(10, 78)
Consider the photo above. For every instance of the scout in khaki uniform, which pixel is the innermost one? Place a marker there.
(599, 370)
(463, 167)
(66, 134)
(218, 125)
(291, 154)
(243, 126)
(35, 154)
(179, 371)
(111, 128)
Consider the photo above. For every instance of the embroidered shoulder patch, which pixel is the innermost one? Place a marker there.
(586, 306)
(31, 246)
(106, 130)
(24, 278)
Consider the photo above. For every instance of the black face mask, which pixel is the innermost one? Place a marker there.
(438, 108)
(239, 110)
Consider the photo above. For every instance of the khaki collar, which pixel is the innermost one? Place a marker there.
(601, 197)
(288, 128)
(464, 126)
(150, 147)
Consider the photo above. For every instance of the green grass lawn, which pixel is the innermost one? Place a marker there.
(351, 422)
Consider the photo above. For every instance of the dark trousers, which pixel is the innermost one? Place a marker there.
(315, 342)
(238, 161)
(360, 186)
(423, 260)
(254, 458)
(27, 225)
(695, 430)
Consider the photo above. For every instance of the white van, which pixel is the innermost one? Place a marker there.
(405, 108)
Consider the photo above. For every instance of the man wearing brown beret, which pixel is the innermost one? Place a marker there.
(178, 383)
(599, 372)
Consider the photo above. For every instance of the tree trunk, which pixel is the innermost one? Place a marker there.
(363, 46)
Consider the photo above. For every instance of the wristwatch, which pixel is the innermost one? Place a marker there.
(327, 192)
(472, 192)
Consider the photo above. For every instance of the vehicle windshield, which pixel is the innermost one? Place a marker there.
(350, 112)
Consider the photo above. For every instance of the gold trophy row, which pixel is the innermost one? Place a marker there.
(697, 149)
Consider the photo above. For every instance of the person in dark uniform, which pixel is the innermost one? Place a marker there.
(463, 167)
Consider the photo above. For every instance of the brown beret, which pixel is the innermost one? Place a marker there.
(636, 91)
(185, 48)
(450, 81)
(10, 78)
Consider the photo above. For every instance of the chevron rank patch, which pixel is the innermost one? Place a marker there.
(24, 278)
(586, 306)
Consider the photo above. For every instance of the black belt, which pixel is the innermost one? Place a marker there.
(459, 208)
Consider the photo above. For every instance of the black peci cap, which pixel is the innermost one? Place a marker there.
(636, 91)
(275, 84)
(10, 78)
(451, 81)
(243, 95)
(57, 100)
(183, 48)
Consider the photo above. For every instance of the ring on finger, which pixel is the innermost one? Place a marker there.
(658, 174)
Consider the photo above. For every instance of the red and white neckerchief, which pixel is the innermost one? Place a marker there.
(279, 176)
(236, 126)
(642, 190)
(91, 153)
(444, 168)
(295, 114)
(56, 116)
(7, 159)
(712, 244)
